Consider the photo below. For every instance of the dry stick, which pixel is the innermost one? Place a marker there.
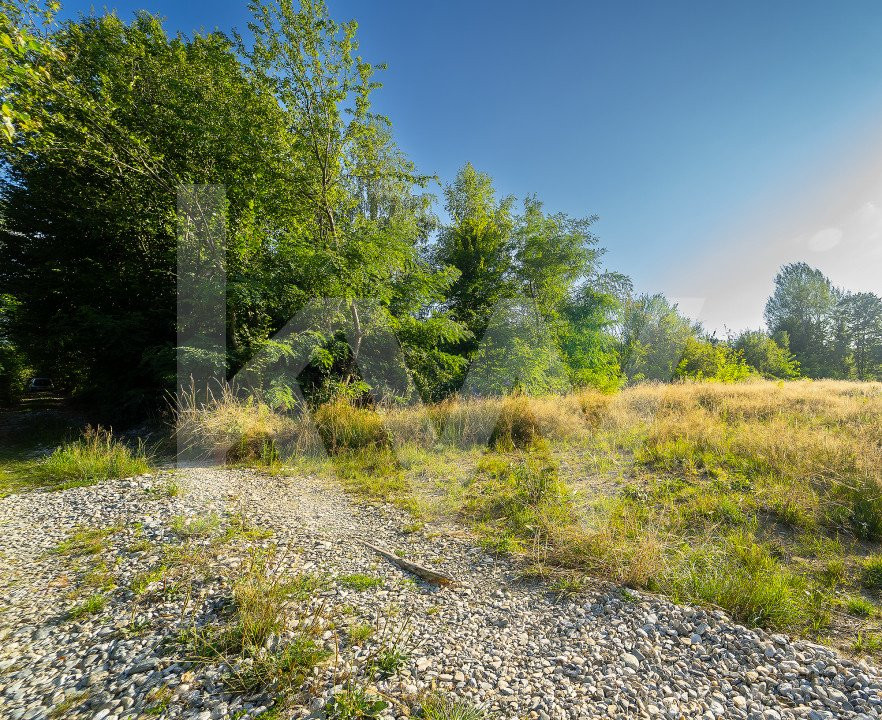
(425, 573)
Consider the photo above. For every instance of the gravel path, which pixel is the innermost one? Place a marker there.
(500, 643)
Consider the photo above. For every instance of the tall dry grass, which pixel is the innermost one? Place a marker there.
(716, 485)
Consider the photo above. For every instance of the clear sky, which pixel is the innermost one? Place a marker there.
(715, 140)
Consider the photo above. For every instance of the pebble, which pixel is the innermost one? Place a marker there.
(493, 640)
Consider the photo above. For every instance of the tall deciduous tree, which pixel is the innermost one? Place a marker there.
(860, 315)
(803, 306)
(652, 337)
(478, 244)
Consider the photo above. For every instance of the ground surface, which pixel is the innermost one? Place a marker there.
(507, 645)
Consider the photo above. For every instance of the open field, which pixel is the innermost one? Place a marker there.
(762, 498)
(605, 531)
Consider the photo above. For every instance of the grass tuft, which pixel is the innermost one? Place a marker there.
(359, 581)
(92, 605)
(95, 457)
(438, 707)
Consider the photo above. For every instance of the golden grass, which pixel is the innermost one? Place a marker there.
(761, 497)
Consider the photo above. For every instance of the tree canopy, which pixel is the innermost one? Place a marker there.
(105, 125)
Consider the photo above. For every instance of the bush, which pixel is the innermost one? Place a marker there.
(343, 426)
(517, 425)
(227, 428)
(95, 457)
(871, 574)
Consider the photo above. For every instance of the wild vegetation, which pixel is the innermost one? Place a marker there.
(317, 202)
(546, 425)
(760, 497)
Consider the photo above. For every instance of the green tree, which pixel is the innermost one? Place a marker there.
(88, 238)
(652, 336)
(478, 245)
(364, 220)
(704, 359)
(860, 317)
(803, 306)
(587, 341)
(25, 51)
(13, 364)
(767, 356)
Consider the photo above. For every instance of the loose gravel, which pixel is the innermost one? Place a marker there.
(499, 642)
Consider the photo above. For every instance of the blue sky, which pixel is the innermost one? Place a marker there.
(714, 140)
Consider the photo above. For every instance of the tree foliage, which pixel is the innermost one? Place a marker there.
(106, 124)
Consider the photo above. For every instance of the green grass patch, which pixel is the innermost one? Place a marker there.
(859, 607)
(359, 581)
(742, 576)
(144, 580)
(86, 541)
(92, 605)
(359, 633)
(439, 707)
(354, 702)
(95, 457)
(199, 526)
(867, 643)
(871, 573)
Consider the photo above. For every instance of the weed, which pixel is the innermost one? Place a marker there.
(95, 457)
(85, 541)
(168, 489)
(354, 702)
(567, 587)
(92, 605)
(159, 699)
(359, 581)
(871, 574)
(867, 643)
(344, 427)
(238, 528)
(743, 577)
(387, 661)
(201, 526)
(834, 573)
(359, 633)
(249, 641)
(142, 581)
(99, 577)
(438, 707)
(140, 545)
(859, 607)
(63, 708)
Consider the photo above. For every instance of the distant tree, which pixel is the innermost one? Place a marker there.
(652, 336)
(803, 305)
(860, 333)
(551, 254)
(769, 358)
(706, 360)
(587, 341)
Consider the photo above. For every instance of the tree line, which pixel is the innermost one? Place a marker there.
(103, 121)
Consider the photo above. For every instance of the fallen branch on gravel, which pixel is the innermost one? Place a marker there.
(425, 573)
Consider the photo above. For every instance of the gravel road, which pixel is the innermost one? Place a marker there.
(504, 644)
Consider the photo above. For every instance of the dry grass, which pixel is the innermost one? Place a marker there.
(762, 497)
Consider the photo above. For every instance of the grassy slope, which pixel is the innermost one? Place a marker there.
(761, 498)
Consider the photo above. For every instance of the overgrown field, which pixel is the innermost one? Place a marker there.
(762, 498)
